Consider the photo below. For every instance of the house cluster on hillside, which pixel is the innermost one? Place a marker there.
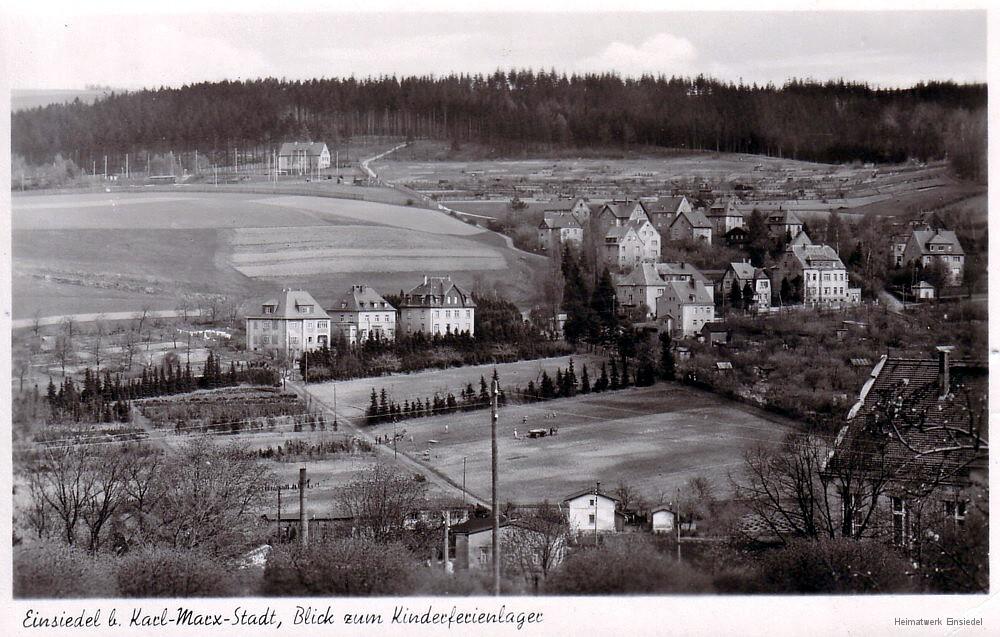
(925, 242)
(295, 322)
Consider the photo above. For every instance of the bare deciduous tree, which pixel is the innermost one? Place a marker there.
(535, 544)
(380, 498)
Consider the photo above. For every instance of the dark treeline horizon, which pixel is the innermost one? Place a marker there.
(521, 110)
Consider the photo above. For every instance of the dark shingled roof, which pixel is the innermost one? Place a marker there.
(926, 436)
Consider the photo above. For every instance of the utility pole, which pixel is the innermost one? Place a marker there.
(463, 482)
(597, 490)
(447, 523)
(335, 406)
(303, 520)
(678, 507)
(105, 168)
(196, 161)
(127, 175)
(493, 502)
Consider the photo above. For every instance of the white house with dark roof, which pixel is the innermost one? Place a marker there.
(593, 511)
(362, 314)
(782, 222)
(744, 273)
(632, 243)
(303, 157)
(291, 323)
(558, 228)
(688, 306)
(614, 214)
(926, 246)
(437, 306)
(643, 285)
(724, 216)
(691, 224)
(823, 275)
(684, 272)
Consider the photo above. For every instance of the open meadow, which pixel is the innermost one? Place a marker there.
(106, 252)
(654, 438)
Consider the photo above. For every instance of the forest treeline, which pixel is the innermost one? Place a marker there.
(523, 110)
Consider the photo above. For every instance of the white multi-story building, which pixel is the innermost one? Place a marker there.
(437, 306)
(688, 306)
(363, 314)
(631, 243)
(824, 278)
(744, 273)
(290, 324)
(592, 511)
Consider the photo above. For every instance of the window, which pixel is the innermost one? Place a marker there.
(593, 502)
(266, 340)
(274, 325)
(484, 554)
(852, 516)
(900, 521)
(955, 511)
(468, 314)
(294, 340)
(321, 325)
(591, 518)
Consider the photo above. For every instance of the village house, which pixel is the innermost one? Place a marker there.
(688, 306)
(737, 237)
(744, 273)
(897, 246)
(685, 272)
(558, 228)
(593, 511)
(691, 224)
(473, 544)
(663, 520)
(724, 216)
(289, 324)
(926, 246)
(579, 208)
(632, 243)
(783, 223)
(363, 314)
(914, 464)
(303, 158)
(641, 286)
(663, 210)
(617, 213)
(437, 306)
(823, 275)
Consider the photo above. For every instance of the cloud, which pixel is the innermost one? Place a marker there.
(663, 53)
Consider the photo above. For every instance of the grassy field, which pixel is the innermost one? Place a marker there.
(124, 251)
(654, 438)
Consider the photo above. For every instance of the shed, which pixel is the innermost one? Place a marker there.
(664, 520)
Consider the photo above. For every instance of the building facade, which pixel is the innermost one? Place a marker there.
(437, 306)
(632, 243)
(743, 273)
(688, 306)
(691, 224)
(663, 210)
(592, 511)
(942, 246)
(823, 275)
(363, 314)
(559, 228)
(303, 158)
(289, 324)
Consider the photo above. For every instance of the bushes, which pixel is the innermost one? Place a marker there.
(624, 566)
(343, 567)
(841, 565)
(168, 572)
(50, 570)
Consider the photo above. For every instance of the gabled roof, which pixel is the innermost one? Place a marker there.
(360, 298)
(476, 525)
(287, 305)
(690, 292)
(724, 208)
(313, 149)
(620, 232)
(433, 290)
(817, 257)
(744, 271)
(783, 218)
(680, 269)
(590, 491)
(924, 285)
(801, 239)
(926, 238)
(555, 219)
(669, 205)
(622, 209)
(563, 205)
(643, 274)
(693, 217)
(928, 437)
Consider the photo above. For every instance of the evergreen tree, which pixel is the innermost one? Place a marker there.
(602, 304)
(614, 374)
(785, 294)
(666, 357)
(372, 412)
(548, 389)
(560, 383)
(749, 296)
(584, 381)
(484, 393)
(602, 381)
(736, 295)
(571, 379)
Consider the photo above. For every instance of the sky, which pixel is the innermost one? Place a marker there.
(66, 50)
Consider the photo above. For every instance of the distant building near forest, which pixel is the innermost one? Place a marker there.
(724, 216)
(558, 228)
(663, 210)
(593, 511)
(303, 157)
(362, 314)
(289, 324)
(437, 306)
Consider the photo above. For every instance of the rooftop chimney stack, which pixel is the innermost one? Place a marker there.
(944, 362)
(425, 279)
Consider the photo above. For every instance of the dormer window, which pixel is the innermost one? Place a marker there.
(269, 309)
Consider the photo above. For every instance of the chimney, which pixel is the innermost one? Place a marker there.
(944, 376)
(303, 509)
(425, 279)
